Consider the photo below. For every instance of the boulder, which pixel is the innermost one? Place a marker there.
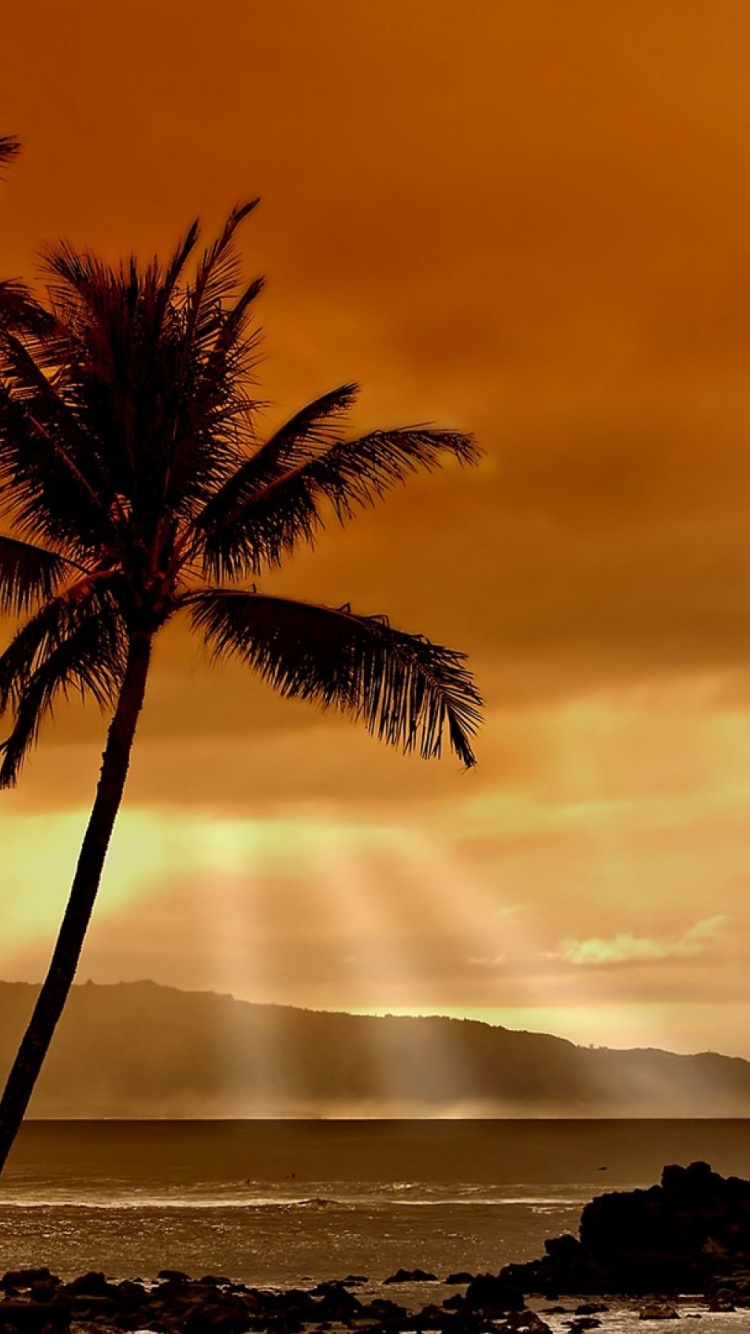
(683, 1235)
(490, 1292)
(411, 1276)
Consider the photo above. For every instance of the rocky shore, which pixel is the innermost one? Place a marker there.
(688, 1235)
(37, 1302)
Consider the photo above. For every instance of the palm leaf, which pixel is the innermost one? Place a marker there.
(90, 660)
(27, 573)
(407, 691)
(258, 517)
(93, 597)
(9, 147)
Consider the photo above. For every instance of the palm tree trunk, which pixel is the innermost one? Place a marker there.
(54, 992)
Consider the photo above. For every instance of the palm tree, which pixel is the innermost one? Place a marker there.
(9, 146)
(136, 488)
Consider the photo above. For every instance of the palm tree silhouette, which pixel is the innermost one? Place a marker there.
(136, 488)
(9, 146)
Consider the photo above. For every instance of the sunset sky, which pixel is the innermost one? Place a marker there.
(522, 218)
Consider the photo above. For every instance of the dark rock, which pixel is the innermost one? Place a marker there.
(93, 1284)
(352, 1279)
(591, 1308)
(490, 1292)
(411, 1276)
(174, 1273)
(23, 1278)
(723, 1300)
(215, 1318)
(30, 1318)
(382, 1309)
(583, 1322)
(684, 1235)
(460, 1277)
(520, 1322)
(455, 1302)
(43, 1289)
(430, 1317)
(658, 1311)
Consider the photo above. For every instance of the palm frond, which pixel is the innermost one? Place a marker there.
(257, 518)
(90, 660)
(53, 479)
(19, 309)
(180, 257)
(91, 598)
(407, 691)
(27, 573)
(216, 279)
(9, 147)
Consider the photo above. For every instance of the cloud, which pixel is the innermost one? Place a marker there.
(626, 948)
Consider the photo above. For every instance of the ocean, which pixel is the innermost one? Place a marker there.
(288, 1203)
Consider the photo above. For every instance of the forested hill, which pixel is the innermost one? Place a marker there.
(142, 1050)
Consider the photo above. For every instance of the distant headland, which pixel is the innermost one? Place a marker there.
(139, 1049)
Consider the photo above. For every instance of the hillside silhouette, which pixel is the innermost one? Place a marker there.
(144, 1050)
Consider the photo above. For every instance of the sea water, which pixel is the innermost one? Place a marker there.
(293, 1202)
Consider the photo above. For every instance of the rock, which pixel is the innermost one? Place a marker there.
(591, 1308)
(455, 1302)
(29, 1318)
(23, 1278)
(723, 1300)
(658, 1311)
(411, 1276)
(691, 1233)
(460, 1277)
(382, 1309)
(521, 1322)
(93, 1284)
(490, 1292)
(174, 1273)
(336, 1303)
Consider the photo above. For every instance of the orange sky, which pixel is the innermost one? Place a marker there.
(515, 217)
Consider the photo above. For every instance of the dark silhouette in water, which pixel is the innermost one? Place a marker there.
(136, 488)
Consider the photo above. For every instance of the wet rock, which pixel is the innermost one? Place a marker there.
(683, 1235)
(490, 1292)
(591, 1308)
(30, 1318)
(411, 1276)
(93, 1284)
(658, 1311)
(383, 1309)
(455, 1302)
(174, 1273)
(430, 1317)
(723, 1300)
(521, 1322)
(460, 1277)
(23, 1278)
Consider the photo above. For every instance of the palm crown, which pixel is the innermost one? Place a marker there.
(136, 487)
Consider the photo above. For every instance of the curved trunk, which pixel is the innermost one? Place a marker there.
(54, 992)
